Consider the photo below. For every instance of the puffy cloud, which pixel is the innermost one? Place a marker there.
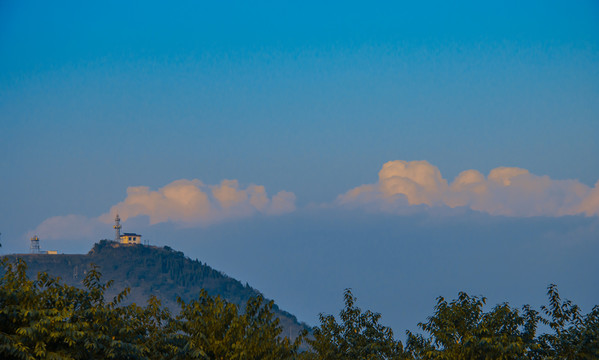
(192, 202)
(419, 181)
(590, 205)
(507, 191)
(504, 175)
(186, 202)
(283, 202)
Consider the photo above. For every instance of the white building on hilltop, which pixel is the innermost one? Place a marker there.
(130, 238)
(126, 238)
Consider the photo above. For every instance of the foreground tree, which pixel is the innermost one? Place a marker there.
(358, 336)
(461, 330)
(212, 328)
(573, 336)
(44, 319)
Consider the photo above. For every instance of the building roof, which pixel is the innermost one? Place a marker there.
(130, 234)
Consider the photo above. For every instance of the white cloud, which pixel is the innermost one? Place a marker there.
(420, 182)
(191, 202)
(403, 187)
(283, 202)
(505, 191)
(590, 205)
(186, 202)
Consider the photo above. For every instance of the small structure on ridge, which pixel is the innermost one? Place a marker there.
(125, 238)
(130, 238)
(117, 228)
(34, 248)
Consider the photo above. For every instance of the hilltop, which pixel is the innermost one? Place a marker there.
(151, 270)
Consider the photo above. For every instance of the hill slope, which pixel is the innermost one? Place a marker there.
(150, 270)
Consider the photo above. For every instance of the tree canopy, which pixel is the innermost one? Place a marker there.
(43, 318)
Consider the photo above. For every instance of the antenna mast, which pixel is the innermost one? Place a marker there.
(35, 245)
(117, 228)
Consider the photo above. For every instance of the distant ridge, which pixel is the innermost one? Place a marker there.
(151, 270)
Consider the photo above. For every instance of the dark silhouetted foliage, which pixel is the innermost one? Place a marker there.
(45, 318)
(358, 336)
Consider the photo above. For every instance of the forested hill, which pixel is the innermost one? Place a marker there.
(150, 270)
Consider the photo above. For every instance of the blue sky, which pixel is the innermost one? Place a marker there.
(309, 101)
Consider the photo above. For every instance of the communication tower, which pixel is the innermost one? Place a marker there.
(117, 228)
(35, 245)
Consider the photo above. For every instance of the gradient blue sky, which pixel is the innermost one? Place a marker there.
(312, 99)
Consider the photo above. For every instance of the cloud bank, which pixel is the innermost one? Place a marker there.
(185, 202)
(191, 202)
(508, 191)
(403, 187)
